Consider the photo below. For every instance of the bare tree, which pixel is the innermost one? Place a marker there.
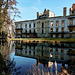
(7, 10)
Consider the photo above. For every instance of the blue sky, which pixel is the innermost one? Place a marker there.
(29, 8)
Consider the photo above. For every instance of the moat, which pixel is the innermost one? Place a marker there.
(28, 56)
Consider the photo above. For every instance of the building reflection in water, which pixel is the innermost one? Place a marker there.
(45, 52)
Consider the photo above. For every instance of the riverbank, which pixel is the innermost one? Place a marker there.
(59, 40)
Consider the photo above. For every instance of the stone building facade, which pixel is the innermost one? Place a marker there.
(47, 25)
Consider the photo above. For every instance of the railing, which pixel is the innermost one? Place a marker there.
(59, 32)
(18, 33)
(18, 29)
(71, 26)
(72, 32)
(28, 32)
(71, 17)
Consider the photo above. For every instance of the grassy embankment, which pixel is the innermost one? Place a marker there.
(45, 39)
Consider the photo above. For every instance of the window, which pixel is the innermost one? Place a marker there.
(56, 50)
(29, 31)
(51, 29)
(21, 25)
(34, 47)
(45, 14)
(62, 50)
(34, 53)
(51, 23)
(71, 22)
(25, 51)
(51, 35)
(62, 29)
(56, 29)
(62, 57)
(34, 25)
(25, 25)
(42, 31)
(42, 25)
(34, 30)
(70, 35)
(29, 47)
(26, 31)
(57, 23)
(56, 35)
(26, 47)
(48, 22)
(29, 25)
(72, 12)
(42, 47)
(62, 45)
(63, 22)
(71, 29)
(56, 56)
(29, 52)
(62, 35)
(51, 50)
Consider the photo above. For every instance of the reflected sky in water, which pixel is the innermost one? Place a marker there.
(26, 55)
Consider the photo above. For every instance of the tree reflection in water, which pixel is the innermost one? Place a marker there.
(43, 51)
(7, 66)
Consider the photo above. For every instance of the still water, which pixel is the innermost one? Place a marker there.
(29, 55)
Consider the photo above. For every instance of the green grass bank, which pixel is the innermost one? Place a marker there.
(44, 39)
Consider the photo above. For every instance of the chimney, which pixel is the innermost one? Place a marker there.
(64, 11)
(37, 15)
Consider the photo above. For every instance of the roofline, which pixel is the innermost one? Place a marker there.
(25, 20)
(42, 18)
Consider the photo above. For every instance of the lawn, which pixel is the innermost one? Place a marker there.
(46, 39)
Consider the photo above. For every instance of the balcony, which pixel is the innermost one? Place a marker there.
(18, 29)
(71, 52)
(28, 33)
(59, 32)
(18, 33)
(73, 32)
(71, 17)
(71, 26)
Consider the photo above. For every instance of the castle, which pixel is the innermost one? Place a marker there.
(47, 25)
